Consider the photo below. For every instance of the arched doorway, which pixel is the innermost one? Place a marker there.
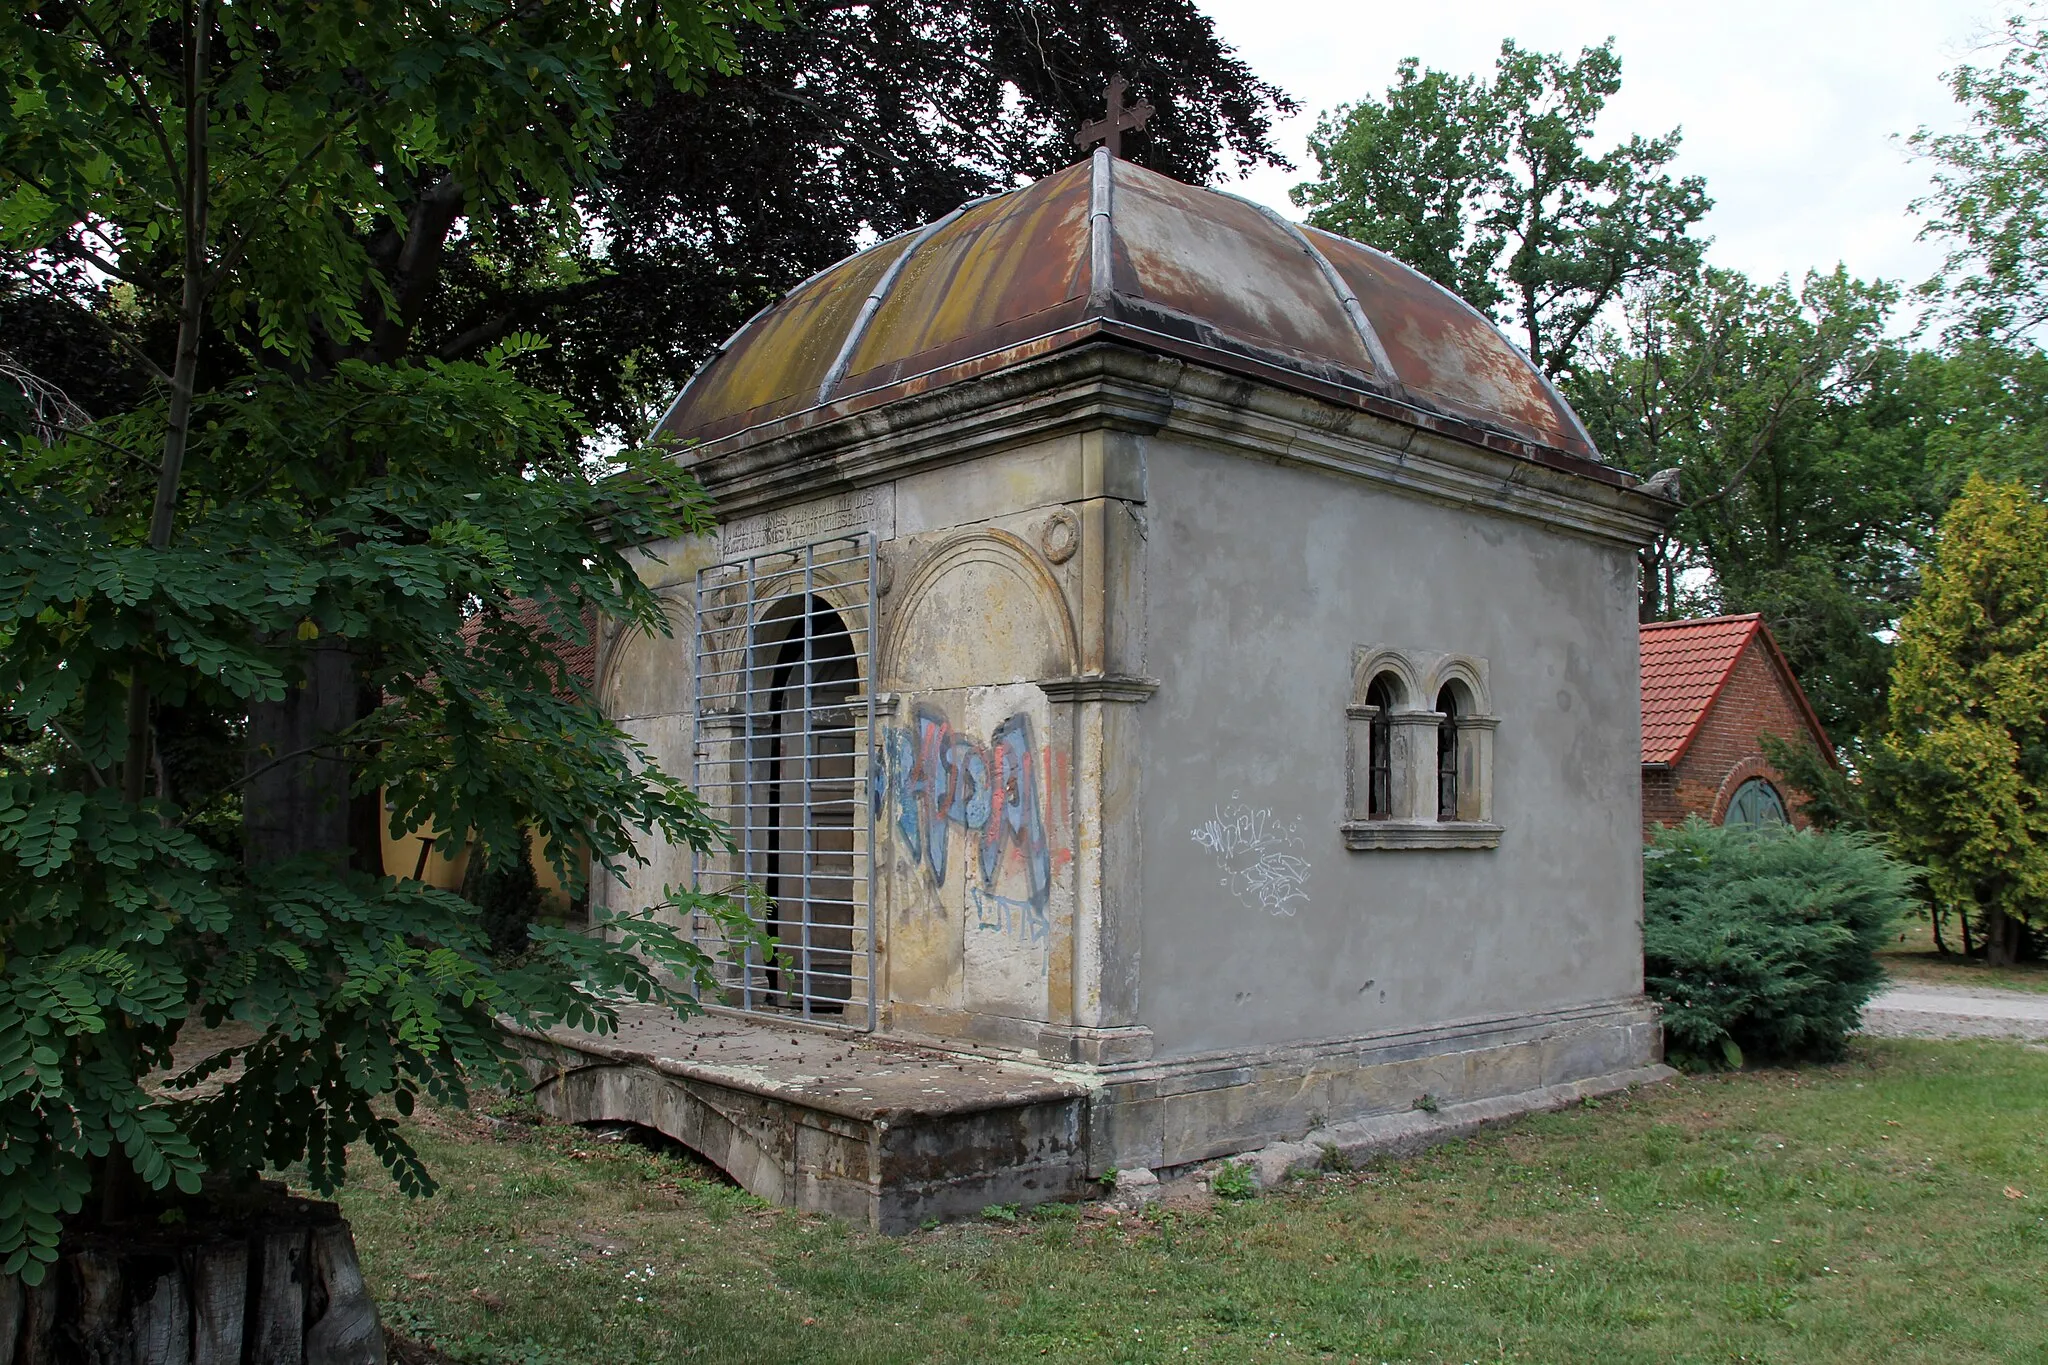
(802, 823)
(783, 651)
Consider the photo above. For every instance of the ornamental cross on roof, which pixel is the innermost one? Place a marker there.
(1109, 129)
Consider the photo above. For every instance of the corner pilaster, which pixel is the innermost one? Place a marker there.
(1103, 696)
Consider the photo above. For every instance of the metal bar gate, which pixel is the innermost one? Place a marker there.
(784, 657)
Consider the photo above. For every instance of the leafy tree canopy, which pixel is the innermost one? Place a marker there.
(843, 124)
(1491, 189)
(722, 189)
(1988, 203)
(272, 580)
(1980, 406)
(1790, 417)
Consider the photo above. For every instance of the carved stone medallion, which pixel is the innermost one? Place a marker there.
(1060, 536)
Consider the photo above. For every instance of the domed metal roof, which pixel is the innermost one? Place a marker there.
(1109, 250)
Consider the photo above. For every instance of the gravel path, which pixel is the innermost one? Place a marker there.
(1920, 1011)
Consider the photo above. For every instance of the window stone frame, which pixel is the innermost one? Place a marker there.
(1413, 821)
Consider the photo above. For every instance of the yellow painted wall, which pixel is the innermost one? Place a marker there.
(447, 861)
(544, 873)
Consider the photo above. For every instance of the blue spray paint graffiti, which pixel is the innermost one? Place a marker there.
(940, 781)
(1008, 915)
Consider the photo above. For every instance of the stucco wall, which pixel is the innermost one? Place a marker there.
(975, 829)
(1263, 582)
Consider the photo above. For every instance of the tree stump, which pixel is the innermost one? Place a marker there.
(269, 1280)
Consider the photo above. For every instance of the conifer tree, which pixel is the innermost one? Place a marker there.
(1964, 786)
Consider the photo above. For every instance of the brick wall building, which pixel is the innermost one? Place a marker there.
(1711, 690)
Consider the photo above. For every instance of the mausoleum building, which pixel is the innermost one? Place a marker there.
(1171, 677)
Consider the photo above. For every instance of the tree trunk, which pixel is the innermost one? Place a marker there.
(220, 1287)
(38, 1323)
(297, 797)
(194, 210)
(2002, 935)
(185, 1294)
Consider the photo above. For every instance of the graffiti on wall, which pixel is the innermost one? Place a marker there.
(1019, 919)
(999, 794)
(1251, 846)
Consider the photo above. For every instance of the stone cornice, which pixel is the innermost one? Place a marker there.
(1099, 687)
(1118, 386)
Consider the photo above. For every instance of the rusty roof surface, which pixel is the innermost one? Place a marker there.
(1685, 666)
(999, 272)
(1442, 349)
(1109, 249)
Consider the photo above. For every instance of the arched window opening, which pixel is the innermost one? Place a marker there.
(1447, 755)
(1391, 755)
(1756, 803)
(805, 742)
(783, 645)
(1379, 800)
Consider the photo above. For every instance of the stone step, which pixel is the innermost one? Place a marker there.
(882, 1134)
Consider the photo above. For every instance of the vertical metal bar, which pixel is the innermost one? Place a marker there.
(697, 749)
(867, 789)
(809, 718)
(747, 746)
(701, 761)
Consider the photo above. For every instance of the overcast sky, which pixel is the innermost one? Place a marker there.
(1793, 110)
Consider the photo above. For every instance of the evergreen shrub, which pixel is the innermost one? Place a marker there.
(1762, 943)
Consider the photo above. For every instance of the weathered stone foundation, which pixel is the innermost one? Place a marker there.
(888, 1134)
(1178, 1113)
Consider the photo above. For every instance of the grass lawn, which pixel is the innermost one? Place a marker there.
(1913, 961)
(1891, 1208)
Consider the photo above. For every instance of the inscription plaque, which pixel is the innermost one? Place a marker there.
(865, 509)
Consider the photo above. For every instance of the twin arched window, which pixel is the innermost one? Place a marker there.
(1421, 778)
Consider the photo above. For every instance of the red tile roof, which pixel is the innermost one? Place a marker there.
(1685, 664)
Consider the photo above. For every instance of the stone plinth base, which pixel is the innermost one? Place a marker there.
(888, 1135)
(1361, 1140)
(1180, 1112)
